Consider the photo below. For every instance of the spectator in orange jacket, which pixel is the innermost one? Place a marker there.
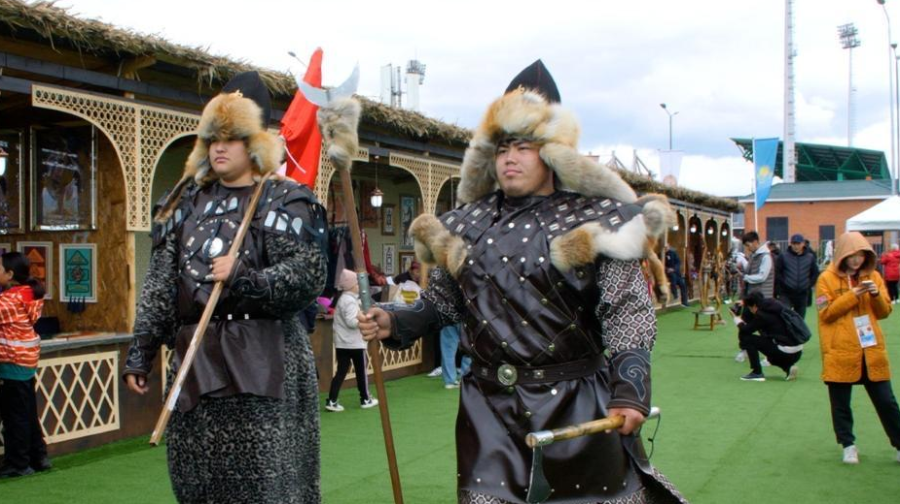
(20, 347)
(851, 299)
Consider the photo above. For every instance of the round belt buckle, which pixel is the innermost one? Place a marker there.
(507, 375)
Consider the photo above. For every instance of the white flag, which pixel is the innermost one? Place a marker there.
(670, 166)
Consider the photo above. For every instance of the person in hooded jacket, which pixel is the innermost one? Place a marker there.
(20, 347)
(851, 298)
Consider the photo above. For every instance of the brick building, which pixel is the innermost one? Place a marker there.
(817, 210)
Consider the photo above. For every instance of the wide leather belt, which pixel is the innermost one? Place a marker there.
(509, 375)
(227, 317)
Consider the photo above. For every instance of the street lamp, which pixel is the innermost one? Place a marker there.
(671, 115)
(891, 62)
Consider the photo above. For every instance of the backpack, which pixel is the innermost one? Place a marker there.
(797, 331)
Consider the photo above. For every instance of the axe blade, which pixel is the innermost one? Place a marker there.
(538, 486)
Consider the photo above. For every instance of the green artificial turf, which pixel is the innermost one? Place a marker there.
(721, 440)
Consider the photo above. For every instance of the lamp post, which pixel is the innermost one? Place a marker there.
(671, 115)
(891, 61)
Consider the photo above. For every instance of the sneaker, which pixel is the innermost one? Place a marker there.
(851, 455)
(765, 362)
(11, 472)
(741, 356)
(685, 305)
(792, 373)
(42, 465)
(436, 372)
(753, 377)
(368, 403)
(333, 406)
(450, 386)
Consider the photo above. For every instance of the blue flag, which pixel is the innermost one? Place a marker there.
(765, 150)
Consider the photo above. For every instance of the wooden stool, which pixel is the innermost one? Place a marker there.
(714, 317)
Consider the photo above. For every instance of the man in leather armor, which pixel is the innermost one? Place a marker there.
(246, 425)
(541, 265)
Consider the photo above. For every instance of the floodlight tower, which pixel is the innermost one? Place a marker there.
(849, 40)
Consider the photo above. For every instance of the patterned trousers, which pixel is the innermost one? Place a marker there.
(639, 497)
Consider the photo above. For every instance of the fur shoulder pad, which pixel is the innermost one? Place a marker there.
(604, 227)
(442, 241)
(291, 209)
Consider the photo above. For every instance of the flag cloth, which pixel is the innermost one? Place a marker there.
(765, 150)
(302, 139)
(670, 166)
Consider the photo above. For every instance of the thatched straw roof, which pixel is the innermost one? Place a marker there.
(104, 40)
(101, 39)
(643, 184)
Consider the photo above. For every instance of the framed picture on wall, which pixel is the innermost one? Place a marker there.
(387, 219)
(368, 214)
(408, 212)
(78, 272)
(389, 259)
(40, 255)
(406, 260)
(12, 193)
(63, 168)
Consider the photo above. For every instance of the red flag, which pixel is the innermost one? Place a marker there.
(301, 131)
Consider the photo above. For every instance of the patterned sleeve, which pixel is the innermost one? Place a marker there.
(156, 318)
(296, 277)
(441, 305)
(444, 292)
(628, 324)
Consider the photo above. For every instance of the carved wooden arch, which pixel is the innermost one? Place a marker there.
(139, 133)
(428, 173)
(326, 171)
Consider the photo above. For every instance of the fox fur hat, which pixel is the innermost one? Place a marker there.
(530, 110)
(240, 111)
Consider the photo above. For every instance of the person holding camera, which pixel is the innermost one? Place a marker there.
(766, 332)
(851, 298)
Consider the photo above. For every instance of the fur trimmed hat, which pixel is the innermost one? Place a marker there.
(240, 111)
(530, 110)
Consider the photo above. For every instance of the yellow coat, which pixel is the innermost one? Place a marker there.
(837, 305)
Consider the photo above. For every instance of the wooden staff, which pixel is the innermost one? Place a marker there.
(374, 346)
(200, 332)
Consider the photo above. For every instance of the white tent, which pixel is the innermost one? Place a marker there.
(884, 216)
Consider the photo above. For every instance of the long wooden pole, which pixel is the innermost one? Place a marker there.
(374, 346)
(200, 332)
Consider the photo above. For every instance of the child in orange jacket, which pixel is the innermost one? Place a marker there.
(20, 306)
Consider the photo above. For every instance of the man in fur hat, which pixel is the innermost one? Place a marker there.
(246, 425)
(542, 267)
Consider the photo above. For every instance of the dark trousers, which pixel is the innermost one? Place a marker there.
(344, 357)
(677, 281)
(797, 301)
(755, 345)
(892, 289)
(883, 399)
(22, 437)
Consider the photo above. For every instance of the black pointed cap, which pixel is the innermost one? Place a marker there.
(536, 77)
(252, 87)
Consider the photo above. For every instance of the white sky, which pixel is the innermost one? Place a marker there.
(719, 63)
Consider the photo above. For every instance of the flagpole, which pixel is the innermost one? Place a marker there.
(755, 199)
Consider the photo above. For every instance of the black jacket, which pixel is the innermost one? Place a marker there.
(796, 273)
(767, 321)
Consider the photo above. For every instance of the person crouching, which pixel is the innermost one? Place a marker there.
(767, 333)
